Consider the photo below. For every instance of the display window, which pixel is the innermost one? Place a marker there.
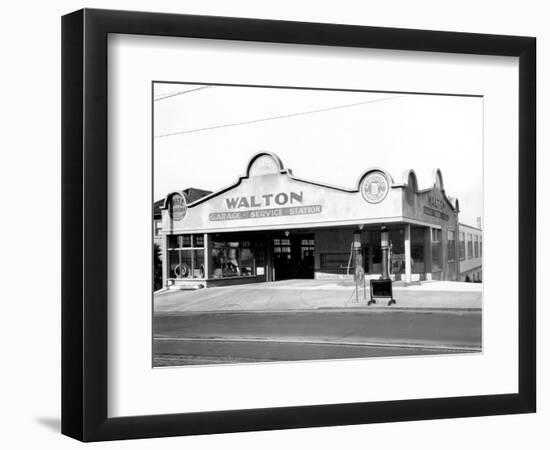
(436, 250)
(185, 256)
(417, 249)
(233, 259)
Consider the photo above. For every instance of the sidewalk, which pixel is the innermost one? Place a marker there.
(296, 295)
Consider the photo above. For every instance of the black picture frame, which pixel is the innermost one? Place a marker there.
(84, 224)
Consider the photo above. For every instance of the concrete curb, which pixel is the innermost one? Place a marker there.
(418, 345)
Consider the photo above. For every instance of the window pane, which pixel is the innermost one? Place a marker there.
(173, 263)
(436, 256)
(397, 239)
(246, 262)
(217, 260)
(198, 240)
(417, 249)
(180, 264)
(184, 240)
(417, 244)
(186, 264)
(173, 241)
(451, 249)
(198, 263)
(231, 266)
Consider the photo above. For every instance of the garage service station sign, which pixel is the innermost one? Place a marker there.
(258, 206)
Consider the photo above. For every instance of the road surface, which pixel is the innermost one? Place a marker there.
(238, 337)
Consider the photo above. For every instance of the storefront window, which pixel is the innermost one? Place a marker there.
(307, 248)
(451, 243)
(417, 249)
(436, 250)
(281, 246)
(397, 243)
(232, 259)
(461, 246)
(186, 256)
(198, 263)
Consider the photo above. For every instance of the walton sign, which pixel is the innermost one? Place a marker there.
(237, 204)
(256, 201)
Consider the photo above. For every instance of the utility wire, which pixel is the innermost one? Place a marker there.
(181, 93)
(286, 116)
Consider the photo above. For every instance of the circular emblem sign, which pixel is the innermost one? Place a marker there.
(375, 187)
(178, 207)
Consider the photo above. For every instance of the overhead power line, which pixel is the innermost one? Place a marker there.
(181, 93)
(285, 116)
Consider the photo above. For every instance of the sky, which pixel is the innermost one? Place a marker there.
(204, 137)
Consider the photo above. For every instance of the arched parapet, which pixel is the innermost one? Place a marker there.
(437, 176)
(411, 180)
(264, 163)
(438, 185)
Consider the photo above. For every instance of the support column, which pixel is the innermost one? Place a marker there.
(269, 257)
(407, 243)
(207, 256)
(370, 241)
(359, 271)
(165, 262)
(428, 253)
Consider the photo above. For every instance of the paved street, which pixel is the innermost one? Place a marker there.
(236, 337)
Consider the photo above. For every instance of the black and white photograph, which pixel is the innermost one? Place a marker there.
(299, 224)
(275, 225)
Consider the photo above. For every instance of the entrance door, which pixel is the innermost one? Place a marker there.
(293, 256)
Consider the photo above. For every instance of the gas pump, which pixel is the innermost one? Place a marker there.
(382, 288)
(359, 271)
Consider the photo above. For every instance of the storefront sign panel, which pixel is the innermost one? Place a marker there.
(265, 213)
(435, 213)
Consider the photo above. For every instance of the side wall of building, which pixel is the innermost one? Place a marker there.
(432, 206)
(471, 263)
